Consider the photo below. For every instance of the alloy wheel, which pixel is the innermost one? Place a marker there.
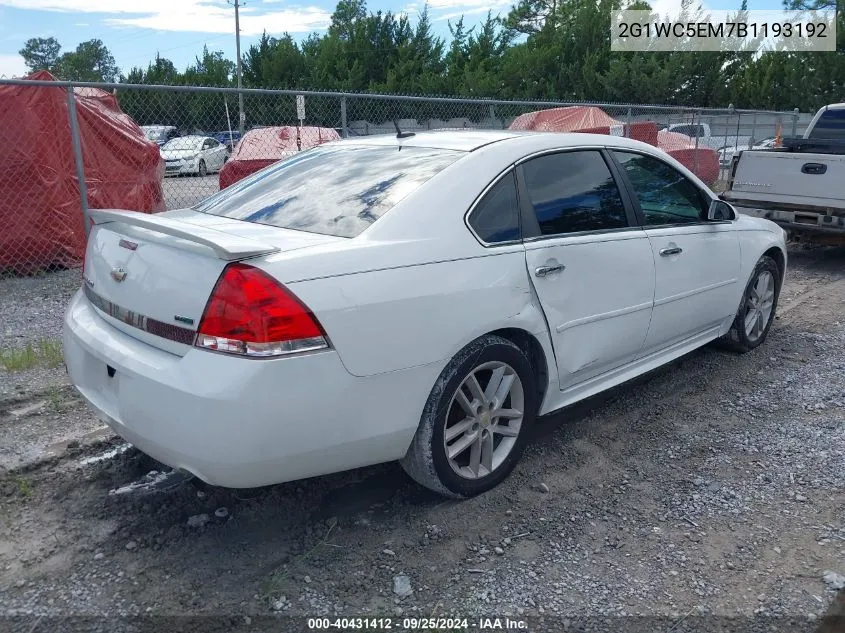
(758, 305)
(484, 420)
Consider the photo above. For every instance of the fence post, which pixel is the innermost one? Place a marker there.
(76, 144)
(795, 123)
(753, 138)
(628, 127)
(343, 117)
(493, 117)
(695, 123)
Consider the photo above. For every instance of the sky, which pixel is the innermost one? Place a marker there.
(134, 30)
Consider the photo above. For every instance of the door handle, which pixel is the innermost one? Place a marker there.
(814, 169)
(675, 250)
(542, 271)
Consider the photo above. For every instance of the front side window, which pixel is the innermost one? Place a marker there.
(496, 216)
(334, 189)
(666, 196)
(572, 192)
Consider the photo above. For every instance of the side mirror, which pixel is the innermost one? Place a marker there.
(720, 211)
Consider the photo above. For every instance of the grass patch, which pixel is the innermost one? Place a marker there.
(272, 587)
(56, 397)
(24, 486)
(42, 353)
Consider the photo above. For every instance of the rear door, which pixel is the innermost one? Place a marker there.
(591, 266)
(697, 263)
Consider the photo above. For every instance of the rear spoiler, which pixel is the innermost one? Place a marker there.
(225, 245)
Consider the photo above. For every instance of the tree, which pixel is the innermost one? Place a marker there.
(41, 53)
(91, 61)
(543, 49)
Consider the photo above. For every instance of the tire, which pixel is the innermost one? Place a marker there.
(202, 170)
(739, 338)
(500, 439)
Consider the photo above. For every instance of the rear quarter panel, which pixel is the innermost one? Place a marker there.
(395, 318)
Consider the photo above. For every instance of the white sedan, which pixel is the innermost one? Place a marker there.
(198, 155)
(420, 299)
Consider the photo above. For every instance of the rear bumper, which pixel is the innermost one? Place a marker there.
(799, 221)
(241, 422)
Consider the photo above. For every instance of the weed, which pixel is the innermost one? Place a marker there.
(42, 353)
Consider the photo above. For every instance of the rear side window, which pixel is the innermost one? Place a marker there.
(496, 216)
(831, 125)
(573, 192)
(335, 190)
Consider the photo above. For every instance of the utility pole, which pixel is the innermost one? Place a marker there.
(241, 114)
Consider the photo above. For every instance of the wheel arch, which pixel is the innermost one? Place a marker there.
(537, 356)
(779, 256)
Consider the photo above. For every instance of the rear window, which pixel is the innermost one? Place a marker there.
(335, 190)
(831, 125)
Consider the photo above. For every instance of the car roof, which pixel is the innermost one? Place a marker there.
(463, 140)
(470, 140)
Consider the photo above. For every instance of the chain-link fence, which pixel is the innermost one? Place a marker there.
(67, 148)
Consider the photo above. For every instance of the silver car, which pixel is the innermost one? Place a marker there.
(198, 155)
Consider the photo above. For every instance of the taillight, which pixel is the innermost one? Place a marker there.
(251, 314)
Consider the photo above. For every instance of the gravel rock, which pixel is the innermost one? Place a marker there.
(543, 487)
(198, 520)
(834, 580)
(402, 586)
(131, 545)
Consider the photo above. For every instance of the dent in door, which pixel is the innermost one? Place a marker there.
(599, 307)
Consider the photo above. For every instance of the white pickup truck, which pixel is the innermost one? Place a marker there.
(705, 136)
(800, 186)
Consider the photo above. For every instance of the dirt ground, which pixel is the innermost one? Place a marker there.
(712, 487)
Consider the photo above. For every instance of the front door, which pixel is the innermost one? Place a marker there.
(591, 267)
(697, 262)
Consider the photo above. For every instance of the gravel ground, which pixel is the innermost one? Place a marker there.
(186, 191)
(31, 308)
(712, 487)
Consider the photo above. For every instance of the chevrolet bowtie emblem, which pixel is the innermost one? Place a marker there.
(118, 274)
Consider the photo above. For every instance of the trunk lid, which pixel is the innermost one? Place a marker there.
(152, 275)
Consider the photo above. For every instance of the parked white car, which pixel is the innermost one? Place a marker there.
(727, 152)
(421, 299)
(198, 155)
